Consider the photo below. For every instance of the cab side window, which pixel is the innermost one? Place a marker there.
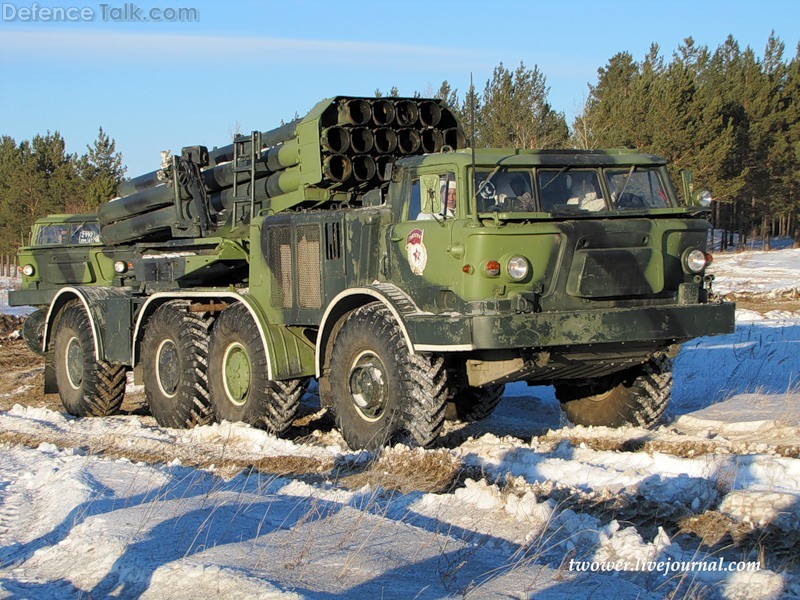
(414, 204)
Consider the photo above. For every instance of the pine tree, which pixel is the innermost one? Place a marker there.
(102, 169)
(515, 111)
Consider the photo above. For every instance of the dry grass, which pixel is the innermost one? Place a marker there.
(403, 470)
(711, 527)
(155, 452)
(683, 449)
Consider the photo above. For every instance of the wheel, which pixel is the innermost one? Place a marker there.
(87, 387)
(174, 364)
(474, 403)
(238, 377)
(637, 396)
(378, 388)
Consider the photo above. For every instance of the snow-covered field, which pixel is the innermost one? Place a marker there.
(529, 506)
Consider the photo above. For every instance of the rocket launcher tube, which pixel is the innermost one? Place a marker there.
(382, 112)
(429, 113)
(454, 138)
(406, 113)
(430, 140)
(364, 168)
(385, 140)
(336, 168)
(216, 157)
(361, 140)
(134, 204)
(279, 157)
(408, 141)
(354, 111)
(139, 226)
(335, 139)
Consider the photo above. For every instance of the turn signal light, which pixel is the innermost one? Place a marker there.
(492, 268)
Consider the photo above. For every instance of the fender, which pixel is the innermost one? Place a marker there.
(93, 300)
(392, 297)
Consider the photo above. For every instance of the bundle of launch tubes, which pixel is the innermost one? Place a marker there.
(344, 144)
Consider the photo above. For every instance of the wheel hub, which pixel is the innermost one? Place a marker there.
(368, 386)
(167, 368)
(74, 360)
(237, 373)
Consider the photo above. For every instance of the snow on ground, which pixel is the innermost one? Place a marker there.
(10, 283)
(541, 508)
(770, 273)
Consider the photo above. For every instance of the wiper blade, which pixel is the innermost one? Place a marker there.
(554, 177)
(625, 182)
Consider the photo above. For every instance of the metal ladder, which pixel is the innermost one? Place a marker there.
(246, 151)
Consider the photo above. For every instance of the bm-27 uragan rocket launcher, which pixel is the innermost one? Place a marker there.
(363, 245)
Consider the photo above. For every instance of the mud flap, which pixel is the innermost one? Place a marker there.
(50, 386)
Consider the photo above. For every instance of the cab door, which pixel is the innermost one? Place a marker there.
(419, 244)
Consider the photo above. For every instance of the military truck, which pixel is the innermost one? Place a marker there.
(365, 246)
(64, 249)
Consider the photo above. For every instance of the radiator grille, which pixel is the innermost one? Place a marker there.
(309, 282)
(280, 265)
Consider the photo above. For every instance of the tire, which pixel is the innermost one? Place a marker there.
(174, 365)
(470, 404)
(379, 389)
(638, 396)
(33, 330)
(87, 387)
(238, 377)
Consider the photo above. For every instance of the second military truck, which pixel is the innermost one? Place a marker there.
(365, 246)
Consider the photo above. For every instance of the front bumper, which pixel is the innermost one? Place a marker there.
(31, 297)
(659, 325)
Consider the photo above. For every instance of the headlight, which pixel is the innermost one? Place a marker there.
(27, 270)
(695, 261)
(518, 268)
(120, 266)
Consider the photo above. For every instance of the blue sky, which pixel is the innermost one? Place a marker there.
(249, 64)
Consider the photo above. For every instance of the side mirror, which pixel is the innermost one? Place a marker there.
(686, 180)
(692, 199)
(705, 198)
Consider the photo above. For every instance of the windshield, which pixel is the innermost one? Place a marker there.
(504, 190)
(639, 188)
(67, 234)
(570, 190)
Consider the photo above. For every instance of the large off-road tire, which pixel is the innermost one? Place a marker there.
(238, 376)
(174, 365)
(379, 389)
(470, 403)
(88, 387)
(637, 396)
(33, 330)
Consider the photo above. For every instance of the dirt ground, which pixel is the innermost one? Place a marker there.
(22, 377)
